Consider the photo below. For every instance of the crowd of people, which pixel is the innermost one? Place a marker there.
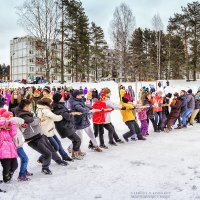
(37, 116)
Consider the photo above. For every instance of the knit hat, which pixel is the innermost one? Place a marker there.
(125, 100)
(2, 110)
(103, 96)
(57, 97)
(189, 91)
(106, 91)
(47, 89)
(7, 114)
(36, 93)
(75, 93)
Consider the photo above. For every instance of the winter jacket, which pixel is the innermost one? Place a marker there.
(13, 105)
(18, 139)
(99, 117)
(191, 101)
(78, 105)
(165, 108)
(8, 96)
(33, 130)
(85, 91)
(142, 114)
(175, 108)
(2, 101)
(183, 103)
(157, 101)
(66, 126)
(48, 125)
(197, 106)
(150, 114)
(110, 104)
(131, 92)
(95, 94)
(127, 114)
(7, 146)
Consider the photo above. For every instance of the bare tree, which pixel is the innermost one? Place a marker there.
(122, 26)
(40, 18)
(158, 27)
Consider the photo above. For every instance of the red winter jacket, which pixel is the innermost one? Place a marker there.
(99, 117)
(157, 101)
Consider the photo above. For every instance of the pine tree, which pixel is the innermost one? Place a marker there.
(98, 49)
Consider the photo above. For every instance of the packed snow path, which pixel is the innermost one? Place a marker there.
(165, 166)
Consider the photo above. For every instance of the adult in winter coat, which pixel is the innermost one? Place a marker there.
(130, 120)
(195, 112)
(48, 125)
(65, 127)
(157, 110)
(85, 91)
(8, 151)
(190, 108)
(99, 120)
(82, 123)
(8, 97)
(183, 99)
(175, 111)
(33, 136)
(150, 116)
(131, 92)
(165, 111)
(95, 94)
(14, 101)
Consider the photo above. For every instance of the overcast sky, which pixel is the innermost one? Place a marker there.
(99, 11)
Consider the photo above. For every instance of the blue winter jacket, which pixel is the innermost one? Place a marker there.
(184, 103)
(78, 105)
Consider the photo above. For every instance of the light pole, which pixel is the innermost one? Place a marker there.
(11, 66)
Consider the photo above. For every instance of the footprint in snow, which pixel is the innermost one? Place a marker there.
(98, 196)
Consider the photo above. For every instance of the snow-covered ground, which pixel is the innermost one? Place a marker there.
(165, 166)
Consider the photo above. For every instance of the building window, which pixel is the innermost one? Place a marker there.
(30, 51)
(69, 71)
(31, 69)
(31, 60)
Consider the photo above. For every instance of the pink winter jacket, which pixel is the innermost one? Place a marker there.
(7, 146)
(142, 114)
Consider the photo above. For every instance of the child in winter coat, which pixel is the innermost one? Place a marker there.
(23, 173)
(48, 125)
(142, 116)
(8, 150)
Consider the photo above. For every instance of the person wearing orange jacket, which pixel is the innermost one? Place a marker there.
(157, 110)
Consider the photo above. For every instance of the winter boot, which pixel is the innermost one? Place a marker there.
(126, 139)
(82, 154)
(29, 174)
(46, 171)
(103, 146)
(62, 163)
(2, 191)
(67, 158)
(119, 141)
(75, 155)
(97, 149)
(23, 178)
(112, 143)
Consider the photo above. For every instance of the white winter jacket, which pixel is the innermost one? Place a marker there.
(48, 126)
(18, 139)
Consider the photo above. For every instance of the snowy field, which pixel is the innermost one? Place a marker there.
(165, 166)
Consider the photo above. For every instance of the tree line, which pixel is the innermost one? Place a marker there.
(146, 54)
